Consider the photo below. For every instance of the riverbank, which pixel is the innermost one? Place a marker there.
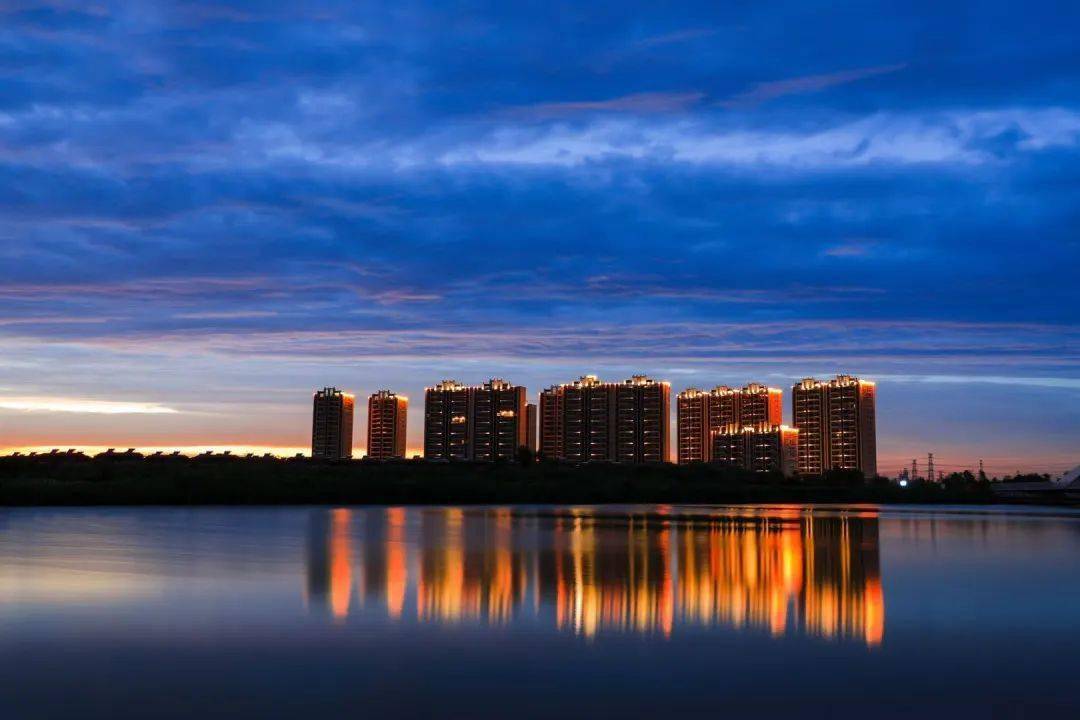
(64, 479)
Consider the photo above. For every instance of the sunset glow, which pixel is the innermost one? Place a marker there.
(248, 204)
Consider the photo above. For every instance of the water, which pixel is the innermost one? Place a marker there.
(650, 611)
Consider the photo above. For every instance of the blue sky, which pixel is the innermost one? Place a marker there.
(207, 209)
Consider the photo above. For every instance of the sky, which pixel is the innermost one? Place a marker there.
(210, 209)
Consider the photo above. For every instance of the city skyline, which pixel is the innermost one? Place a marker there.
(258, 199)
(753, 405)
(609, 358)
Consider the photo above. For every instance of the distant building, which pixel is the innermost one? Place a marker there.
(480, 423)
(577, 421)
(643, 420)
(701, 416)
(550, 421)
(808, 413)
(500, 425)
(760, 406)
(332, 424)
(593, 421)
(837, 425)
(723, 409)
(758, 449)
(387, 422)
(693, 436)
(729, 448)
(446, 421)
(531, 422)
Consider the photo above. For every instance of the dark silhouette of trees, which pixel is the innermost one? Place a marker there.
(70, 478)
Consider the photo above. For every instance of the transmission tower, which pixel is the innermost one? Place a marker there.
(914, 469)
(930, 467)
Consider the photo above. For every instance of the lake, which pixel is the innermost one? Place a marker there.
(522, 612)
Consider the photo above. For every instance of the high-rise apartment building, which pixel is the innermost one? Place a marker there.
(729, 448)
(837, 425)
(446, 421)
(758, 449)
(531, 421)
(852, 424)
(387, 421)
(577, 421)
(550, 411)
(481, 423)
(588, 420)
(331, 424)
(593, 421)
(702, 416)
(693, 436)
(499, 422)
(760, 406)
(809, 411)
(642, 421)
(723, 409)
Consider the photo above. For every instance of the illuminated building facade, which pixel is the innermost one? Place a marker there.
(577, 421)
(729, 448)
(760, 406)
(837, 425)
(550, 411)
(642, 420)
(474, 423)
(331, 424)
(808, 407)
(723, 409)
(692, 427)
(758, 449)
(446, 421)
(593, 421)
(702, 417)
(499, 423)
(387, 420)
(588, 420)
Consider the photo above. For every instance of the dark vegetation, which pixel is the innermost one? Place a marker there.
(132, 479)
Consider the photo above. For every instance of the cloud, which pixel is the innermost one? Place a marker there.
(638, 103)
(854, 248)
(81, 406)
(54, 320)
(1057, 383)
(151, 288)
(847, 339)
(678, 36)
(765, 91)
(398, 296)
(625, 286)
(225, 315)
(883, 139)
(190, 192)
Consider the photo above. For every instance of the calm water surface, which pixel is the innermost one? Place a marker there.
(642, 611)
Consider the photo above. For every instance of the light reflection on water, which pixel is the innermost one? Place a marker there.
(637, 572)
(636, 611)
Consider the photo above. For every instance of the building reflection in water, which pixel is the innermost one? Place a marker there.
(329, 562)
(780, 571)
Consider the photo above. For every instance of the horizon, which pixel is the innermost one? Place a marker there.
(211, 211)
(889, 465)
